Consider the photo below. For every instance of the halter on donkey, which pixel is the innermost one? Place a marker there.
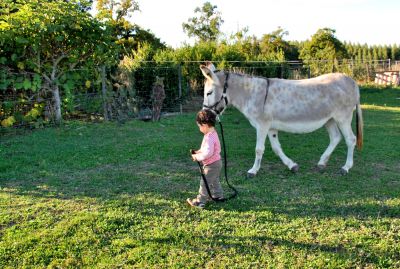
(295, 106)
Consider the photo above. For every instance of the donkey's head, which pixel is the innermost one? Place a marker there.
(214, 96)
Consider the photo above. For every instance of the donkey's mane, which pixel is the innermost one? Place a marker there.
(240, 74)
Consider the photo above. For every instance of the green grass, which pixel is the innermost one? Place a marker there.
(113, 196)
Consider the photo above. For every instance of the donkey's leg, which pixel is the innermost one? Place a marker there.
(276, 147)
(334, 137)
(260, 147)
(350, 138)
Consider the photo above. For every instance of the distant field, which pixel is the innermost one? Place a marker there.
(113, 196)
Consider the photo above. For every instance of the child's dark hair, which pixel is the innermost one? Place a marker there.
(206, 116)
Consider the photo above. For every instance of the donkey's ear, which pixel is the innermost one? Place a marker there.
(210, 66)
(206, 72)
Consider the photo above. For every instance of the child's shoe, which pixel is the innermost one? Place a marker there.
(195, 203)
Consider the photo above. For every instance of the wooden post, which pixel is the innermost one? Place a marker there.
(180, 87)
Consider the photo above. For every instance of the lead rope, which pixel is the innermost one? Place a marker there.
(235, 192)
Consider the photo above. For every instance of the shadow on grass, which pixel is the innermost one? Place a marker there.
(264, 245)
(308, 193)
(363, 193)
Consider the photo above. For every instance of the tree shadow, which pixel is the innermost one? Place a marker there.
(363, 193)
(266, 245)
(282, 193)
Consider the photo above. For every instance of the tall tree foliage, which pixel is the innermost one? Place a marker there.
(49, 38)
(394, 52)
(129, 36)
(206, 26)
(137, 46)
(362, 52)
(273, 46)
(324, 48)
(116, 14)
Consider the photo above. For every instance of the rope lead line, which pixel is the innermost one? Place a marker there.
(235, 192)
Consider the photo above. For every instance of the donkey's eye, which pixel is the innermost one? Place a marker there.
(209, 93)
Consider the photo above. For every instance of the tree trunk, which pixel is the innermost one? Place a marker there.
(56, 90)
(104, 92)
(57, 103)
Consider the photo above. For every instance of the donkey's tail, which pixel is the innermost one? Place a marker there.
(360, 125)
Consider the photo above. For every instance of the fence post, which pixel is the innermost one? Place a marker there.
(180, 87)
(188, 89)
(104, 92)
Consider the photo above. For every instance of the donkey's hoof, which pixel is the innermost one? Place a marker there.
(295, 168)
(321, 167)
(343, 171)
(250, 175)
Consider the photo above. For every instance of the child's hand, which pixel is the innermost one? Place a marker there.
(193, 152)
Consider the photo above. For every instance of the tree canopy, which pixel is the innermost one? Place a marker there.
(206, 26)
(323, 46)
(55, 47)
(48, 39)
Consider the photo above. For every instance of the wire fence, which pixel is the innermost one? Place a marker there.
(121, 95)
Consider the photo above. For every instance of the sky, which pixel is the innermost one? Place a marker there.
(375, 22)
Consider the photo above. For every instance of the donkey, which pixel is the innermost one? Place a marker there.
(295, 106)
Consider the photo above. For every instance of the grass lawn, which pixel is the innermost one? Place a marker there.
(113, 196)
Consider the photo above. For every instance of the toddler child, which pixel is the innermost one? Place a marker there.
(210, 157)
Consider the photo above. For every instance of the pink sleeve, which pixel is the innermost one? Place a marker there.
(206, 150)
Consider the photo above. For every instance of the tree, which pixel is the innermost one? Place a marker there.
(273, 45)
(249, 47)
(116, 9)
(128, 35)
(394, 51)
(375, 54)
(49, 38)
(365, 52)
(324, 48)
(206, 27)
(136, 46)
(115, 13)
